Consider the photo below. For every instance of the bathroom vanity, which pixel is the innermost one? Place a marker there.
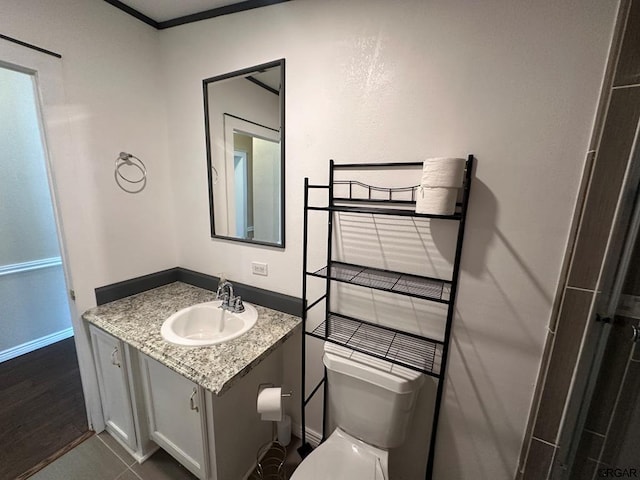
(198, 404)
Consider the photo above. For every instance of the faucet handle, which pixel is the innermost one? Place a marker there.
(238, 306)
(220, 293)
(222, 284)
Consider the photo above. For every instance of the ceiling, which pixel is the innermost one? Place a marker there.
(270, 78)
(170, 13)
(163, 10)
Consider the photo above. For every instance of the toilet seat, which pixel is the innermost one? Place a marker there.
(343, 457)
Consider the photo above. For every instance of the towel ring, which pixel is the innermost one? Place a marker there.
(128, 159)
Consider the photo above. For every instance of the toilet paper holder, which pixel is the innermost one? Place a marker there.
(264, 414)
(270, 385)
(269, 402)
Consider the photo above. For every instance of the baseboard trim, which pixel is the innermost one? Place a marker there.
(126, 288)
(36, 344)
(266, 298)
(137, 455)
(313, 437)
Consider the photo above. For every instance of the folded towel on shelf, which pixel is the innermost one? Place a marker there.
(443, 172)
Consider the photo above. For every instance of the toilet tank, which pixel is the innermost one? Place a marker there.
(371, 399)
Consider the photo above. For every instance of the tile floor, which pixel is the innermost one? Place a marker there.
(102, 458)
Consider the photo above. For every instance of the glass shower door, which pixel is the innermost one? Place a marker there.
(601, 432)
(608, 444)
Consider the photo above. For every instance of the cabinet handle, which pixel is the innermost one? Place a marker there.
(114, 359)
(192, 402)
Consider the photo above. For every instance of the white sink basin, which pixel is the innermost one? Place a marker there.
(207, 324)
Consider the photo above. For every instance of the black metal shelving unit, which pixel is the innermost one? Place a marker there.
(420, 353)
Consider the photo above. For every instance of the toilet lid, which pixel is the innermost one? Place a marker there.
(333, 469)
(331, 461)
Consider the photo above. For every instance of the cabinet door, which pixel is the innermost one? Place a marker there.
(114, 385)
(176, 416)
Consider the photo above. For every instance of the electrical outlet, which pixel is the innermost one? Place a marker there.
(260, 268)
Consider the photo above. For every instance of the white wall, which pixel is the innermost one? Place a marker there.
(29, 229)
(515, 84)
(114, 102)
(266, 190)
(34, 302)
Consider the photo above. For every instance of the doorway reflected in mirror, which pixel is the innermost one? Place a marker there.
(244, 124)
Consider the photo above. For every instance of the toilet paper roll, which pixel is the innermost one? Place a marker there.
(436, 200)
(269, 404)
(443, 172)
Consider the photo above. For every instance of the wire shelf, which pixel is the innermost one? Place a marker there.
(375, 210)
(352, 197)
(417, 353)
(411, 285)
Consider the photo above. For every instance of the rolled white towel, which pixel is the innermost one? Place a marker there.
(436, 200)
(443, 172)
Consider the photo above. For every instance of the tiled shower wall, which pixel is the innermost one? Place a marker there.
(605, 168)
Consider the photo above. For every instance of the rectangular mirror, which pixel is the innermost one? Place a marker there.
(244, 129)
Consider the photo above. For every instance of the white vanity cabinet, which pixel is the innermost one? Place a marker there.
(216, 432)
(113, 382)
(176, 413)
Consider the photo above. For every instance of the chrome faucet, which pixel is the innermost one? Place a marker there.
(230, 302)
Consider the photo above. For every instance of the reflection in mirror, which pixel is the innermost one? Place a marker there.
(244, 122)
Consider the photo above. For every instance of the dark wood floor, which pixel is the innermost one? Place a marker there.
(41, 407)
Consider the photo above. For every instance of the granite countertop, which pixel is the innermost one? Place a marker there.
(137, 319)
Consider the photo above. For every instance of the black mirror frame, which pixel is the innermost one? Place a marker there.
(238, 73)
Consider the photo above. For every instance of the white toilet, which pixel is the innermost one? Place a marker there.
(371, 402)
